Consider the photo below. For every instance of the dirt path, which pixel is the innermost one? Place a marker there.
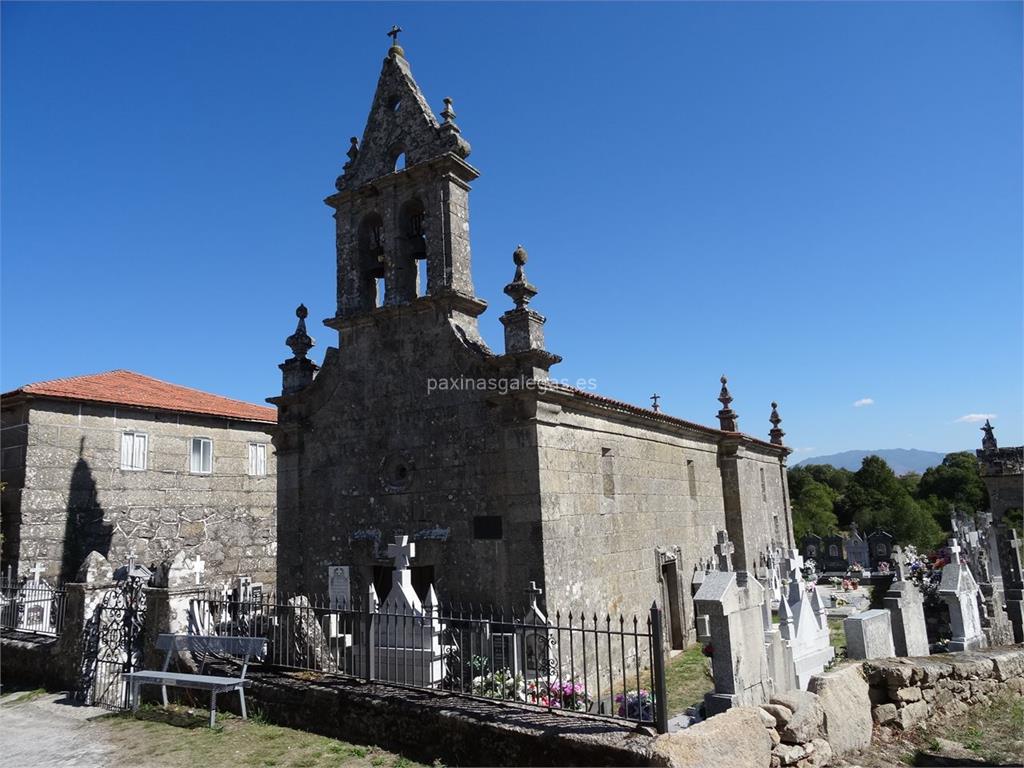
(48, 731)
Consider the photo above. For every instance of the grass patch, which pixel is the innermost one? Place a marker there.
(992, 732)
(836, 633)
(23, 697)
(177, 736)
(687, 680)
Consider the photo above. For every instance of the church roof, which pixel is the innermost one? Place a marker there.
(648, 413)
(133, 389)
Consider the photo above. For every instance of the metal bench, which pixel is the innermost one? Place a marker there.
(198, 644)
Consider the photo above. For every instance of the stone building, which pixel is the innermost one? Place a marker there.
(119, 462)
(1002, 471)
(499, 474)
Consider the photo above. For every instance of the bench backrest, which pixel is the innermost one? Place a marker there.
(234, 646)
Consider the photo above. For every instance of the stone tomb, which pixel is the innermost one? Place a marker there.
(959, 591)
(407, 632)
(803, 625)
(35, 600)
(729, 609)
(905, 604)
(869, 635)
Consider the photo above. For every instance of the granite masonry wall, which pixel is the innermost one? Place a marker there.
(73, 497)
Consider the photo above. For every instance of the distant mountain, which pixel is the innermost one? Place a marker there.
(902, 460)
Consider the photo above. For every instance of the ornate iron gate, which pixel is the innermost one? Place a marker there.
(112, 643)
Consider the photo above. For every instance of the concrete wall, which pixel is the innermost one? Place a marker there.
(76, 497)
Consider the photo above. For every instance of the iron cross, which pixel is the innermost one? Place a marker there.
(393, 34)
(654, 402)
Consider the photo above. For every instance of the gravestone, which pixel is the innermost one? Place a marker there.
(729, 610)
(905, 604)
(869, 635)
(880, 544)
(959, 591)
(1014, 575)
(857, 549)
(339, 586)
(408, 631)
(833, 554)
(810, 547)
(35, 599)
(803, 625)
(308, 640)
(96, 569)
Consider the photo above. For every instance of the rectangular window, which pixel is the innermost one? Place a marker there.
(201, 456)
(133, 450)
(257, 459)
(691, 478)
(487, 527)
(607, 473)
(764, 487)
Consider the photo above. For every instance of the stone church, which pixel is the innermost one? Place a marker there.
(499, 475)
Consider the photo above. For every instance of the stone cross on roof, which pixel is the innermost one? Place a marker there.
(954, 551)
(37, 571)
(402, 551)
(393, 33)
(198, 568)
(724, 549)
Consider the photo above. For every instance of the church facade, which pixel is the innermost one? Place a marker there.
(499, 475)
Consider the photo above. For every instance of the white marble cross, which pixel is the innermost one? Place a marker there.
(198, 568)
(794, 563)
(533, 591)
(36, 572)
(724, 549)
(901, 563)
(954, 551)
(1016, 543)
(402, 551)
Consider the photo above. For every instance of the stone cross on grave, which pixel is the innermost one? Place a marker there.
(36, 572)
(532, 593)
(901, 563)
(198, 568)
(724, 549)
(794, 563)
(954, 551)
(402, 551)
(1015, 556)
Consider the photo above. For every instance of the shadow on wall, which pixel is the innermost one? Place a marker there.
(84, 528)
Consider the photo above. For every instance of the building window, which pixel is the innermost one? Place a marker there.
(764, 487)
(134, 447)
(487, 527)
(691, 478)
(201, 456)
(257, 459)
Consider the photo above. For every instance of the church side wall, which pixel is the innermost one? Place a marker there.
(77, 498)
(620, 504)
(13, 443)
(764, 499)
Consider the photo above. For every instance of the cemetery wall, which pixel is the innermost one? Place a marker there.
(905, 691)
(76, 498)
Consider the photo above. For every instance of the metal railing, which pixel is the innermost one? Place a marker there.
(27, 606)
(592, 664)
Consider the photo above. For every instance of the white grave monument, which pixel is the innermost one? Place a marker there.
(803, 625)
(960, 592)
(36, 601)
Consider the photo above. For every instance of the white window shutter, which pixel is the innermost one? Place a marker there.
(139, 452)
(126, 450)
(261, 459)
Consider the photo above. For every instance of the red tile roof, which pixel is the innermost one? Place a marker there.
(134, 389)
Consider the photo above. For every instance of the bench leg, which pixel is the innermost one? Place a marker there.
(163, 690)
(241, 701)
(135, 697)
(213, 708)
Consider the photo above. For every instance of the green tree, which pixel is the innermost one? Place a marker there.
(955, 484)
(812, 510)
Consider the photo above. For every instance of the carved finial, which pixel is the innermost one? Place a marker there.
(353, 151)
(988, 440)
(775, 434)
(448, 113)
(728, 419)
(654, 402)
(395, 47)
(300, 342)
(519, 290)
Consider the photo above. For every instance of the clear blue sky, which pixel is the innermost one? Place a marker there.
(821, 200)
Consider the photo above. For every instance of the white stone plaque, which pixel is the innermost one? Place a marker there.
(339, 586)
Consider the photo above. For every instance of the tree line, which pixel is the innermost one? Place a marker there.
(915, 508)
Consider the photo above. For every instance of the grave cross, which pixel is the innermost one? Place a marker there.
(954, 551)
(724, 549)
(901, 563)
(794, 563)
(533, 592)
(36, 572)
(402, 551)
(1016, 543)
(198, 568)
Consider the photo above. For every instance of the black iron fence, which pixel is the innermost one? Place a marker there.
(601, 665)
(27, 606)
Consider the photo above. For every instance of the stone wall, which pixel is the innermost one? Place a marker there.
(905, 691)
(13, 445)
(76, 498)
